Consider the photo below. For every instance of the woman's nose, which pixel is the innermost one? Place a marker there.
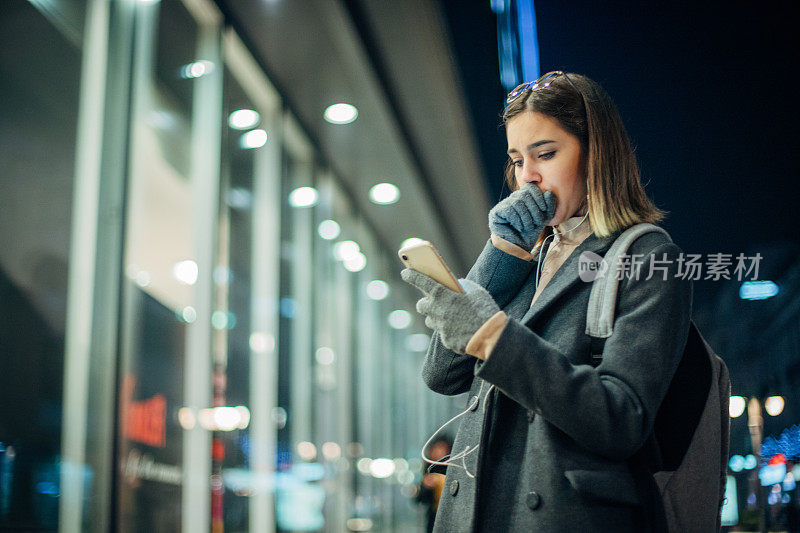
(529, 174)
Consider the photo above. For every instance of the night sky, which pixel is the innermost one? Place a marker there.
(707, 94)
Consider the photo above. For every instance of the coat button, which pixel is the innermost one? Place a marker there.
(473, 403)
(453, 487)
(533, 500)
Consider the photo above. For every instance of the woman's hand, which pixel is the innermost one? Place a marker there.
(455, 315)
(522, 216)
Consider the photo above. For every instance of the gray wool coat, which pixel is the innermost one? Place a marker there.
(565, 443)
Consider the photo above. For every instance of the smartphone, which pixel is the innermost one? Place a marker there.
(423, 257)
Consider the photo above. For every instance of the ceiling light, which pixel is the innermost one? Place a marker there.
(384, 194)
(243, 119)
(197, 69)
(303, 197)
(341, 113)
(400, 319)
(253, 139)
(345, 250)
(328, 229)
(355, 263)
(377, 289)
(412, 240)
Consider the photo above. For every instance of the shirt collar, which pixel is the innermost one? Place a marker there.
(583, 229)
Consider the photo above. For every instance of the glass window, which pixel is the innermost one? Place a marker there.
(300, 496)
(164, 445)
(40, 68)
(249, 247)
(238, 346)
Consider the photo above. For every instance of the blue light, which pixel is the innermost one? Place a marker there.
(298, 504)
(498, 6)
(758, 290)
(528, 43)
(517, 42)
(308, 471)
(736, 463)
(750, 462)
(47, 487)
(772, 474)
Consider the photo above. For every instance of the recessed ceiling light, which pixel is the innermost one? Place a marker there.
(377, 289)
(355, 263)
(243, 119)
(384, 193)
(410, 241)
(341, 113)
(197, 69)
(345, 250)
(253, 139)
(303, 197)
(399, 319)
(328, 229)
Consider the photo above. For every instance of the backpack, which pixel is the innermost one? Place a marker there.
(692, 426)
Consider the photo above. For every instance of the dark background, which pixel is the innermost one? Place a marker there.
(707, 92)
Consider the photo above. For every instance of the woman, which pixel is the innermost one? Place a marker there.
(550, 439)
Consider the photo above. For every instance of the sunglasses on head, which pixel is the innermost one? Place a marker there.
(543, 81)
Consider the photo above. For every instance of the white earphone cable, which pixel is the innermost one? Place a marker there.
(449, 459)
(558, 234)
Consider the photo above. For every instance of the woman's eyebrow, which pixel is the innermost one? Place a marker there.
(530, 146)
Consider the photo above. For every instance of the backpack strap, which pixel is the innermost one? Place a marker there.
(603, 298)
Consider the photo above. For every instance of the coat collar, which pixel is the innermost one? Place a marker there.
(567, 274)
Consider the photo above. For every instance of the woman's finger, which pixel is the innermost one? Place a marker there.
(526, 217)
(424, 305)
(430, 322)
(534, 193)
(552, 201)
(419, 280)
(510, 215)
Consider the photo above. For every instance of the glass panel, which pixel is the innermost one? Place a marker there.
(300, 496)
(162, 426)
(333, 390)
(40, 68)
(243, 135)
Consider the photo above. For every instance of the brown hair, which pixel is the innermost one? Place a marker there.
(617, 199)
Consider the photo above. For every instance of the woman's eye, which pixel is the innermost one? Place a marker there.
(517, 163)
(547, 155)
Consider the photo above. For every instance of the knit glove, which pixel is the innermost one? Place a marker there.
(456, 316)
(521, 217)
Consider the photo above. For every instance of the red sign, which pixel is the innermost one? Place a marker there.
(144, 421)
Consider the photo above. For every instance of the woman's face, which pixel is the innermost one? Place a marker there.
(544, 153)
